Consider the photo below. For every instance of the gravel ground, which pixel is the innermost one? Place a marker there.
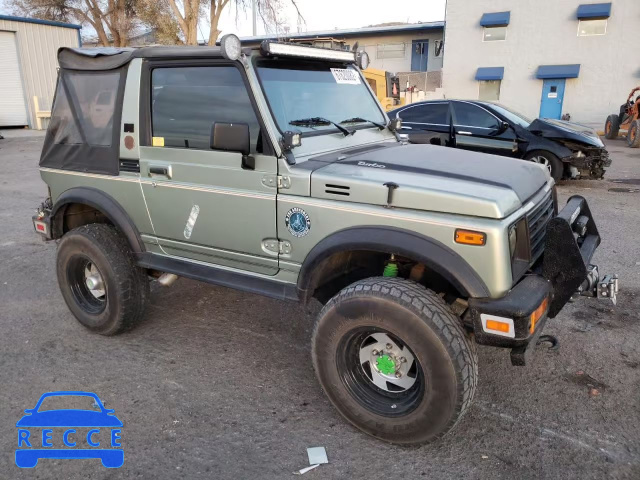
(218, 384)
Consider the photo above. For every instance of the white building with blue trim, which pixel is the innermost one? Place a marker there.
(544, 58)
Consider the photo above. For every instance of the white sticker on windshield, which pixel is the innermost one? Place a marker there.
(346, 75)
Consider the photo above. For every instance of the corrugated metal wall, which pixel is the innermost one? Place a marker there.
(37, 50)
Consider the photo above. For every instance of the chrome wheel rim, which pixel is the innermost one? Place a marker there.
(388, 365)
(87, 284)
(380, 372)
(93, 280)
(542, 161)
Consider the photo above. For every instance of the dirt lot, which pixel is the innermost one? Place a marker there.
(219, 384)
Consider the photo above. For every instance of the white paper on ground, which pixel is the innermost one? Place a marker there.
(306, 469)
(317, 455)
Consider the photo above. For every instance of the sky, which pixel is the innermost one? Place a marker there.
(336, 14)
(322, 15)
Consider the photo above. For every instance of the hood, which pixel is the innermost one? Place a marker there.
(560, 129)
(429, 177)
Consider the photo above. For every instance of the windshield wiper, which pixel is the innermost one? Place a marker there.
(319, 121)
(364, 120)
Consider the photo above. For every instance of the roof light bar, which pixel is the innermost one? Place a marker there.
(287, 49)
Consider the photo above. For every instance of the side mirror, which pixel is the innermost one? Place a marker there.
(395, 124)
(504, 126)
(233, 137)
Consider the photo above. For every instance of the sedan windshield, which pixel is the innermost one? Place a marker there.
(301, 94)
(511, 116)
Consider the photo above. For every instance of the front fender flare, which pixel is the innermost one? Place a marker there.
(432, 253)
(104, 203)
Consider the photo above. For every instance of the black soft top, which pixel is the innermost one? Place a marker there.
(108, 58)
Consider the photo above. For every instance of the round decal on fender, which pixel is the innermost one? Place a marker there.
(297, 222)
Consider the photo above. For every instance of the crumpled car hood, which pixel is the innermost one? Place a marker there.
(560, 129)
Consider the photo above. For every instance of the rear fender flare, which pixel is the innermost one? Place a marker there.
(104, 203)
(432, 253)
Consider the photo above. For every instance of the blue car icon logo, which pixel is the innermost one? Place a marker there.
(65, 433)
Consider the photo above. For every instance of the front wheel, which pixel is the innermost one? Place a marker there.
(394, 360)
(552, 163)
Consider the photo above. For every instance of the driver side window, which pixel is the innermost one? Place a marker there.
(187, 101)
(469, 115)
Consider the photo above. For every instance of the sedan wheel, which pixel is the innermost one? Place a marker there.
(542, 161)
(552, 163)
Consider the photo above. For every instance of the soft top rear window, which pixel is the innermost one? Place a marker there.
(84, 130)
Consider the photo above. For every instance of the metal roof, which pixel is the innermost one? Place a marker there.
(351, 32)
(40, 22)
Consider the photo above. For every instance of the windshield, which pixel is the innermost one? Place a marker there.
(512, 116)
(311, 90)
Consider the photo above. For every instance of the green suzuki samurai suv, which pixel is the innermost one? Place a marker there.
(275, 171)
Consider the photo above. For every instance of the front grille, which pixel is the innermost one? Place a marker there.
(537, 221)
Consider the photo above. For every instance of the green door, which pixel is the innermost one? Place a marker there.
(203, 205)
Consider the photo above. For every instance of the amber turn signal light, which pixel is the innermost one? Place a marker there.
(469, 237)
(498, 326)
(537, 314)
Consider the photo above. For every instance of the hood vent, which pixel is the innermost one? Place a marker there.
(337, 189)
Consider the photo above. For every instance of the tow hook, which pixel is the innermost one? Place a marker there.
(605, 289)
(550, 339)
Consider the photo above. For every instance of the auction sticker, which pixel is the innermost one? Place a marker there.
(346, 75)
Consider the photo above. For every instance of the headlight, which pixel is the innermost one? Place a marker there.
(230, 46)
(363, 60)
(513, 239)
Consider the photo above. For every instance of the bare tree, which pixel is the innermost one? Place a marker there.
(188, 12)
(113, 20)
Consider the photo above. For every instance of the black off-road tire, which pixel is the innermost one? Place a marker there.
(426, 325)
(126, 286)
(554, 163)
(612, 127)
(633, 135)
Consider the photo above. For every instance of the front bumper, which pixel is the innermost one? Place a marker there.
(571, 240)
(590, 162)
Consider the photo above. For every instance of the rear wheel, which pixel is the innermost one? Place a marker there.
(633, 136)
(553, 164)
(612, 127)
(99, 280)
(394, 360)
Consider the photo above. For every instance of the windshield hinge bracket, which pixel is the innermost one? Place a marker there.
(276, 246)
(284, 182)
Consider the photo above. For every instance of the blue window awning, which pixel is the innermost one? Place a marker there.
(497, 19)
(558, 71)
(490, 73)
(594, 10)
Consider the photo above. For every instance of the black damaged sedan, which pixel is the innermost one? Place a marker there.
(568, 150)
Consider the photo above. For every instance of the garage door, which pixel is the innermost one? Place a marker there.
(12, 100)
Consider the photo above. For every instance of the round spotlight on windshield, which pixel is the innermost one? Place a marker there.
(230, 46)
(363, 60)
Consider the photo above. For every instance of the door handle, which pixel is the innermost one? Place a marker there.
(160, 170)
(461, 132)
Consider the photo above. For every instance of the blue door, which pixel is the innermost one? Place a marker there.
(419, 55)
(552, 97)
